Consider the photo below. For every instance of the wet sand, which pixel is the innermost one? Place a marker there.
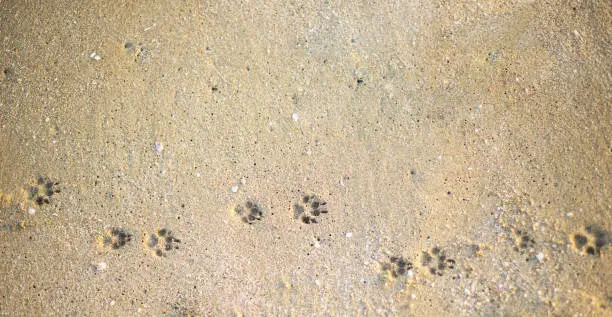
(417, 158)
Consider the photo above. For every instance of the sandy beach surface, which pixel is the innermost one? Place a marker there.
(305, 158)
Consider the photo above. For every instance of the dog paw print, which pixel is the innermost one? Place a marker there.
(592, 241)
(524, 242)
(395, 267)
(249, 213)
(161, 242)
(114, 238)
(41, 192)
(309, 209)
(437, 262)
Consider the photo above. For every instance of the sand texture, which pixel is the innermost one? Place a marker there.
(305, 158)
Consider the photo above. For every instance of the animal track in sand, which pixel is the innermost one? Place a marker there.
(41, 192)
(524, 242)
(396, 266)
(249, 212)
(161, 242)
(593, 240)
(309, 209)
(437, 261)
(113, 238)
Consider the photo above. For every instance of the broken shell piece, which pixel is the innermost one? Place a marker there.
(159, 147)
(99, 267)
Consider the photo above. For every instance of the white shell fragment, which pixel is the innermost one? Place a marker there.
(159, 147)
(99, 267)
(95, 56)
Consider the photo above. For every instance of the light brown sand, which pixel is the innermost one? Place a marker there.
(469, 138)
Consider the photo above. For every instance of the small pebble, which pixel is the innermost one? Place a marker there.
(31, 211)
(112, 303)
(410, 273)
(540, 256)
(349, 235)
(295, 117)
(234, 188)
